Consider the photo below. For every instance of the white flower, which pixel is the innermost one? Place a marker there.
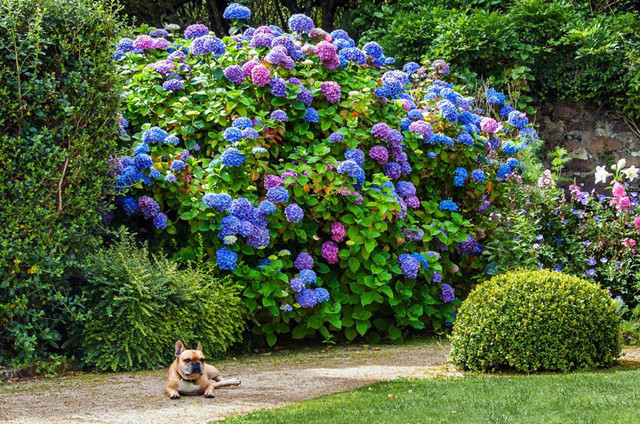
(621, 164)
(631, 172)
(602, 174)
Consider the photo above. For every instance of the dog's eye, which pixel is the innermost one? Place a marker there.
(202, 360)
(187, 360)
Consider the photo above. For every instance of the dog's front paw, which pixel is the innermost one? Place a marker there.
(209, 394)
(236, 381)
(174, 396)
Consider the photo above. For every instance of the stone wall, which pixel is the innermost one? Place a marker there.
(592, 138)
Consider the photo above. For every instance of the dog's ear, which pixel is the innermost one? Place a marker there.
(179, 348)
(199, 347)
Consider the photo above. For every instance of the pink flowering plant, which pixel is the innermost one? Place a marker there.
(341, 191)
(585, 233)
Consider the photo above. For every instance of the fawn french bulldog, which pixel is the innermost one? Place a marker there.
(189, 375)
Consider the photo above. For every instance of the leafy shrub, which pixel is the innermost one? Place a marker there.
(585, 233)
(555, 49)
(58, 124)
(338, 190)
(139, 305)
(536, 320)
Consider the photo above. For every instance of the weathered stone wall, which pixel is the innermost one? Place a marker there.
(592, 138)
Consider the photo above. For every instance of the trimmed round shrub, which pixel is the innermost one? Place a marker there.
(536, 320)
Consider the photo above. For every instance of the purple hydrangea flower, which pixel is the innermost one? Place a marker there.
(303, 261)
(148, 206)
(448, 293)
(207, 44)
(195, 31)
(300, 23)
(330, 252)
(279, 115)
(234, 74)
(409, 265)
(331, 90)
(307, 298)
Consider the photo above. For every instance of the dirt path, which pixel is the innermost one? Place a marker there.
(267, 381)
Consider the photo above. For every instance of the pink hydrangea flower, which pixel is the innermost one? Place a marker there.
(489, 125)
(248, 67)
(260, 75)
(337, 232)
(330, 252)
(331, 90)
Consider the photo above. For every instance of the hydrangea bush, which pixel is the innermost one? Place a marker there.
(340, 190)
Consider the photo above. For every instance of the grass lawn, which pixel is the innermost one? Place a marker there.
(601, 398)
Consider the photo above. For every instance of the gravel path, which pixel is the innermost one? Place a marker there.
(268, 380)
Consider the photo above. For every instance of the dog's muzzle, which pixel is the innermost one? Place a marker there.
(195, 368)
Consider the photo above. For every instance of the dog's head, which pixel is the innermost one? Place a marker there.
(190, 362)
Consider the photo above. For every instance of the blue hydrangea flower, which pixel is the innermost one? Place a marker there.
(506, 110)
(436, 277)
(421, 259)
(219, 201)
(242, 123)
(373, 49)
(266, 207)
(142, 161)
(405, 189)
(171, 140)
(409, 265)
(478, 176)
(170, 178)
(335, 137)
(355, 155)
(278, 195)
(129, 205)
(154, 135)
(432, 155)
(414, 115)
(308, 276)
(172, 85)
(410, 67)
(352, 54)
(461, 175)
(141, 148)
(154, 174)
(230, 226)
(241, 208)
(465, 138)
(517, 119)
(494, 97)
(352, 169)
(448, 205)
(307, 298)
(236, 11)
(207, 44)
(448, 110)
(226, 259)
(160, 221)
(232, 157)
(177, 165)
(503, 171)
(195, 31)
(294, 213)
(250, 134)
(311, 115)
(297, 285)
(279, 115)
(300, 23)
(322, 295)
(232, 134)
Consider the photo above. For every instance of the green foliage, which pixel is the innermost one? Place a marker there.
(534, 321)
(139, 304)
(554, 49)
(58, 124)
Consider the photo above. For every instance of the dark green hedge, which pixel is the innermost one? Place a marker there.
(555, 49)
(58, 124)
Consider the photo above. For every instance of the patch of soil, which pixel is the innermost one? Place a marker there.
(268, 380)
